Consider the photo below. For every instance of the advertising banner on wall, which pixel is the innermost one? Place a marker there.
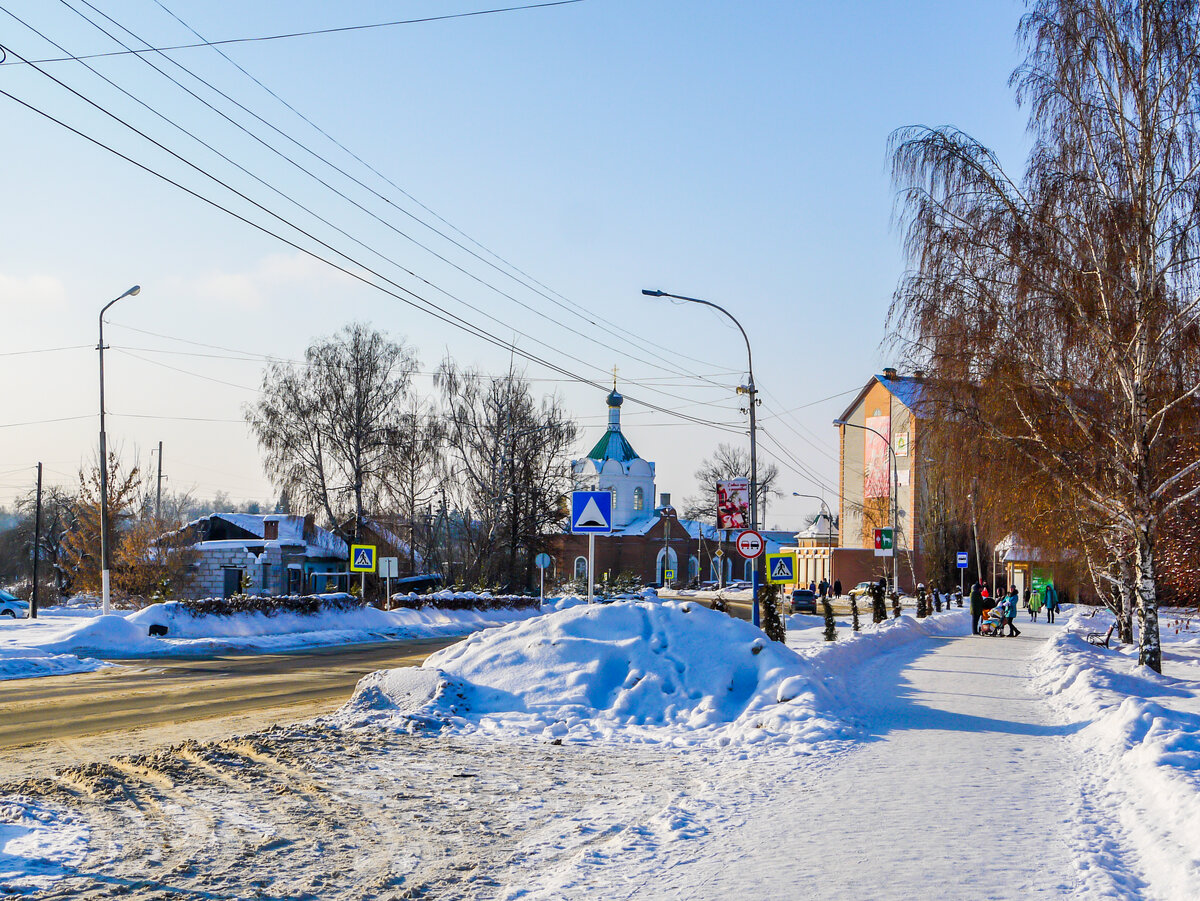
(878, 468)
(733, 504)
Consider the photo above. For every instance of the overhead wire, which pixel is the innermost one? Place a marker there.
(301, 34)
(529, 282)
(417, 302)
(583, 335)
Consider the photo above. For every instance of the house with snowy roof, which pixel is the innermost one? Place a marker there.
(647, 540)
(271, 554)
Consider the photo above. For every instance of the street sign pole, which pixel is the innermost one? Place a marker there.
(591, 563)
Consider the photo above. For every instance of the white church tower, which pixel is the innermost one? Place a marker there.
(614, 465)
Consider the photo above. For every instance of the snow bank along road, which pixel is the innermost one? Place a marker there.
(156, 698)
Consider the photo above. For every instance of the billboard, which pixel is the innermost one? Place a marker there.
(733, 504)
(877, 469)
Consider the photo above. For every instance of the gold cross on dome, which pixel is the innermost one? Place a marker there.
(614, 378)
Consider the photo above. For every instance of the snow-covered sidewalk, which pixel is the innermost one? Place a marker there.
(965, 786)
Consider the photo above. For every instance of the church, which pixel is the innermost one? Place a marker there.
(648, 541)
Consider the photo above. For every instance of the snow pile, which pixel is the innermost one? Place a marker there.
(55, 645)
(1140, 738)
(38, 845)
(34, 663)
(671, 673)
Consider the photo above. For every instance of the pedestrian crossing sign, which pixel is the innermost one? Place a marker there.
(781, 567)
(362, 558)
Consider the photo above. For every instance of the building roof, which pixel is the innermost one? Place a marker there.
(316, 541)
(905, 388)
(613, 446)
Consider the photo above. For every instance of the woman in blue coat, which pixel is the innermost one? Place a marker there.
(1010, 612)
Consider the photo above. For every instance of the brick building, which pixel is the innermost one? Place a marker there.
(273, 554)
(647, 541)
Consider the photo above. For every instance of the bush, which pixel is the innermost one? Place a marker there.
(445, 600)
(304, 605)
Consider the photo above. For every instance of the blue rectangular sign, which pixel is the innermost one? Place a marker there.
(591, 512)
(962, 559)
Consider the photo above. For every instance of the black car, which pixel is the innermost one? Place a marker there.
(804, 601)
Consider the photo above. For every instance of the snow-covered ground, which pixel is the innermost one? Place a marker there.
(79, 639)
(648, 751)
(1139, 745)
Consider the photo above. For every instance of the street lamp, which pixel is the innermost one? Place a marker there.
(895, 502)
(750, 390)
(104, 561)
(829, 519)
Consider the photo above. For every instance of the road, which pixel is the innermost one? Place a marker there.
(127, 709)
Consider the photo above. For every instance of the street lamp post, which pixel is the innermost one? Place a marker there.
(105, 589)
(829, 519)
(895, 498)
(752, 392)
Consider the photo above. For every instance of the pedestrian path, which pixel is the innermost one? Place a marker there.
(964, 787)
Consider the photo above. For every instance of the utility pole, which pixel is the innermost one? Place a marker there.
(37, 544)
(158, 495)
(748, 389)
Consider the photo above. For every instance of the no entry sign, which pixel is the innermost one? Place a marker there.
(749, 544)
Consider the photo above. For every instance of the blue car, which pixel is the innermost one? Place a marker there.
(804, 601)
(10, 605)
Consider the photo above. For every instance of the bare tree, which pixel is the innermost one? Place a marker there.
(1057, 313)
(506, 452)
(327, 428)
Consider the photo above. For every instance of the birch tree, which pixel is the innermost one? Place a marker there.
(327, 427)
(1056, 312)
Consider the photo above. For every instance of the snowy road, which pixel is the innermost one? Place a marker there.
(963, 786)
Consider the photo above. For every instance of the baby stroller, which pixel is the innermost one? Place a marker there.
(992, 622)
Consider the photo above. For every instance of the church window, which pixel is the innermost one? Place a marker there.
(639, 500)
(581, 567)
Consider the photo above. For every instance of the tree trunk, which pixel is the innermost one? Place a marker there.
(1149, 645)
(1128, 596)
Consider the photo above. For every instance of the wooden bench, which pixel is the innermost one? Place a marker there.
(1101, 641)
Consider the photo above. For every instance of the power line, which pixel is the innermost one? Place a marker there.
(417, 300)
(295, 34)
(45, 350)
(526, 279)
(13, 425)
(319, 180)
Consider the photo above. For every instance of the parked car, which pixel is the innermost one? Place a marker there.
(861, 590)
(804, 600)
(12, 606)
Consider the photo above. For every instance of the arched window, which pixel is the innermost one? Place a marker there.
(671, 561)
(693, 568)
(639, 500)
(749, 570)
(581, 568)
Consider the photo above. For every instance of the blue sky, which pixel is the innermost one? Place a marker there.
(731, 151)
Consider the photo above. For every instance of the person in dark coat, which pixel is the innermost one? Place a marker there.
(837, 588)
(976, 606)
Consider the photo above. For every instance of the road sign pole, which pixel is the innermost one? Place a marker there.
(542, 591)
(591, 563)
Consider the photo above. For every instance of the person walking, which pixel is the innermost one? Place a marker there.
(1051, 602)
(837, 588)
(977, 592)
(1035, 606)
(1010, 612)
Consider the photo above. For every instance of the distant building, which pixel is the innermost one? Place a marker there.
(271, 554)
(647, 541)
(883, 412)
